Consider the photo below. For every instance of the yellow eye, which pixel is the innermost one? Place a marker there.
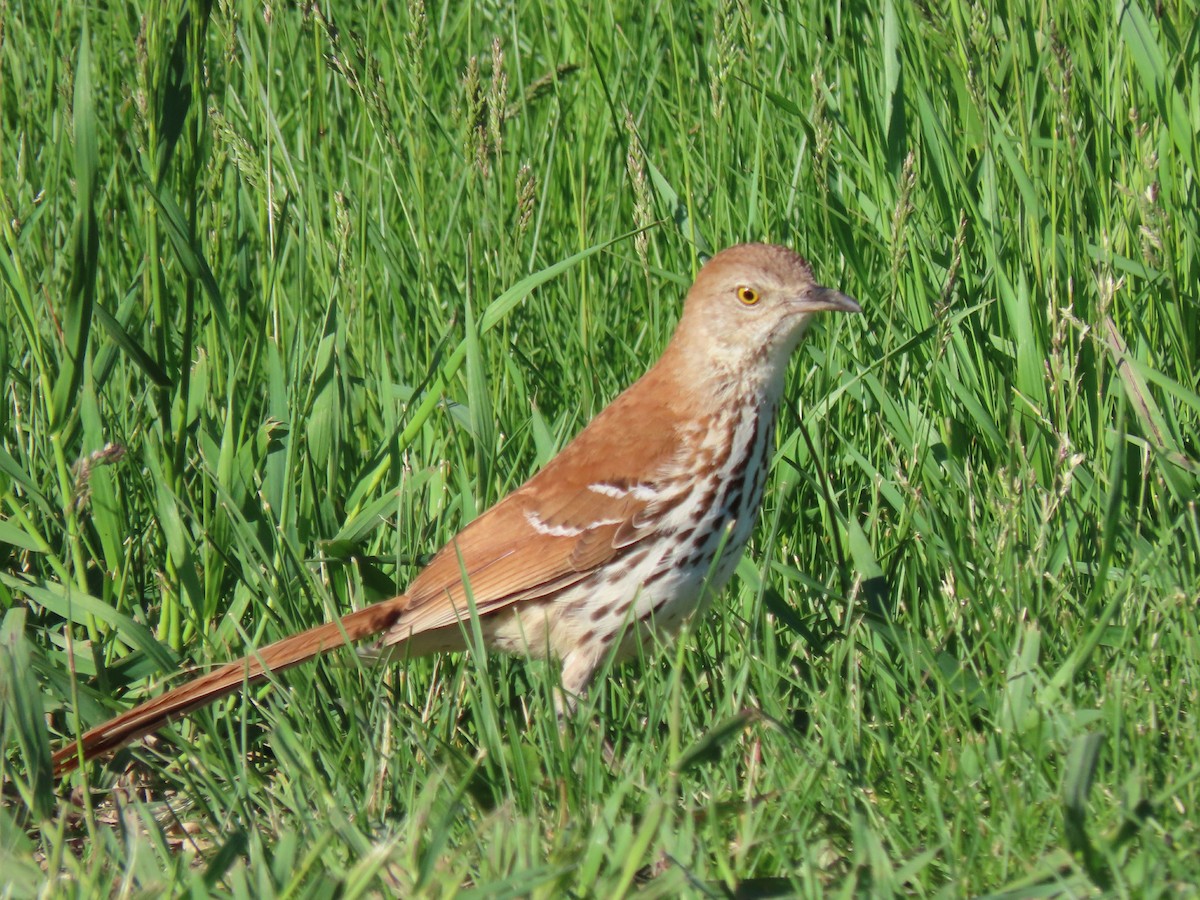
(747, 295)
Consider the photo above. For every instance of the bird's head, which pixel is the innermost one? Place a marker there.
(755, 300)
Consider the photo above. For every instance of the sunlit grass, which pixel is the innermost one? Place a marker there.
(290, 296)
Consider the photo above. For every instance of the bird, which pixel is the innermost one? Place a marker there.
(634, 526)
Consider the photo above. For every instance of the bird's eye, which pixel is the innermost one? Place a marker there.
(748, 295)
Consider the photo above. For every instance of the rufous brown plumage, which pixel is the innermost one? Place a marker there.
(627, 531)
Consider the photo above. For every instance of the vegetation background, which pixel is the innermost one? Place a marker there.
(293, 291)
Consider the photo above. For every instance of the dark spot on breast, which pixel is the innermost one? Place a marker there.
(636, 557)
(659, 575)
(616, 577)
(599, 613)
(701, 540)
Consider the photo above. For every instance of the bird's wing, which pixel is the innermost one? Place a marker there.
(602, 495)
(542, 538)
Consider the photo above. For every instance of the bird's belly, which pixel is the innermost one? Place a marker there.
(655, 594)
(658, 583)
(655, 598)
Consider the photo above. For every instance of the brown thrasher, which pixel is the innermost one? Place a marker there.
(618, 536)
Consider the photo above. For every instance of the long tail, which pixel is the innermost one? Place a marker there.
(283, 654)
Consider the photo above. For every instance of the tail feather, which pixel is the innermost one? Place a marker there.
(283, 654)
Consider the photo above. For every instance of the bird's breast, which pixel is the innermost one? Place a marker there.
(707, 532)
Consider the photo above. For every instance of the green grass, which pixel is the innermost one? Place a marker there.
(331, 284)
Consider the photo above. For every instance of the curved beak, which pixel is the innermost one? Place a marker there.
(819, 299)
